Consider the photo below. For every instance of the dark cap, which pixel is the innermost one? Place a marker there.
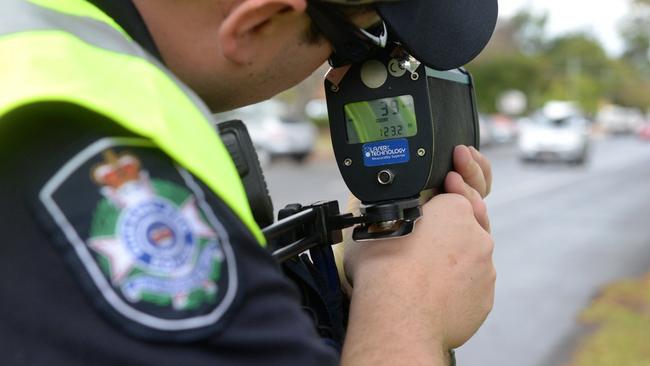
(443, 34)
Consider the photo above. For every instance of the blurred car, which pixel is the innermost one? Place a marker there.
(620, 120)
(273, 133)
(485, 131)
(503, 129)
(554, 134)
(644, 132)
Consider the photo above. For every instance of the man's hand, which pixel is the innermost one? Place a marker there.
(472, 179)
(418, 296)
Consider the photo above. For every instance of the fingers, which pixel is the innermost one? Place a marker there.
(454, 184)
(486, 167)
(470, 170)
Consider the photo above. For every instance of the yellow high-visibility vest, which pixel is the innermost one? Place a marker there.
(70, 51)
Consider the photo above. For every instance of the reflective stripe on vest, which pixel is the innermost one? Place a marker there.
(67, 50)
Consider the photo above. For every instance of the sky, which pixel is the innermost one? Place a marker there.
(599, 17)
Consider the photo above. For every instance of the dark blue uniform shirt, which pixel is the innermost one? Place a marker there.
(50, 308)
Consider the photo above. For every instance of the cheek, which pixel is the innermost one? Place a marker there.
(291, 70)
(265, 79)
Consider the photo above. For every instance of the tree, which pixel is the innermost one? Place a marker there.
(572, 66)
(530, 31)
(511, 61)
(635, 31)
(580, 70)
(496, 75)
(524, 33)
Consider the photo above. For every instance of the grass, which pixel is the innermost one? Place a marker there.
(620, 319)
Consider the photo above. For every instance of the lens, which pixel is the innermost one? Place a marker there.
(385, 177)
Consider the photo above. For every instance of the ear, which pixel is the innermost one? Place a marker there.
(247, 20)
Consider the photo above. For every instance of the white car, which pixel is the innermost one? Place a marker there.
(273, 133)
(563, 138)
(620, 120)
(485, 132)
(503, 129)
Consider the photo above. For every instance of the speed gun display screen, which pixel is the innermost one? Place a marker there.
(380, 119)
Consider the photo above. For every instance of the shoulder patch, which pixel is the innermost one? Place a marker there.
(143, 237)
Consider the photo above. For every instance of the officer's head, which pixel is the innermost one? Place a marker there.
(236, 52)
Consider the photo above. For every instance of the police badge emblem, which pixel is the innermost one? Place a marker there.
(150, 237)
(150, 244)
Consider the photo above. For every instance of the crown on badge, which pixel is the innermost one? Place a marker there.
(116, 170)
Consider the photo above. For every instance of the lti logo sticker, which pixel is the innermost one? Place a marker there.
(386, 153)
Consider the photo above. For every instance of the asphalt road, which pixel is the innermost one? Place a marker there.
(561, 233)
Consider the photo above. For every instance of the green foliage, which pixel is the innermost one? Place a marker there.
(636, 35)
(515, 71)
(628, 85)
(570, 67)
(530, 31)
(621, 319)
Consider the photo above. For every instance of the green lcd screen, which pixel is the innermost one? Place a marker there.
(380, 119)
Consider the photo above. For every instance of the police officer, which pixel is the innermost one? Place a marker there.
(127, 237)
